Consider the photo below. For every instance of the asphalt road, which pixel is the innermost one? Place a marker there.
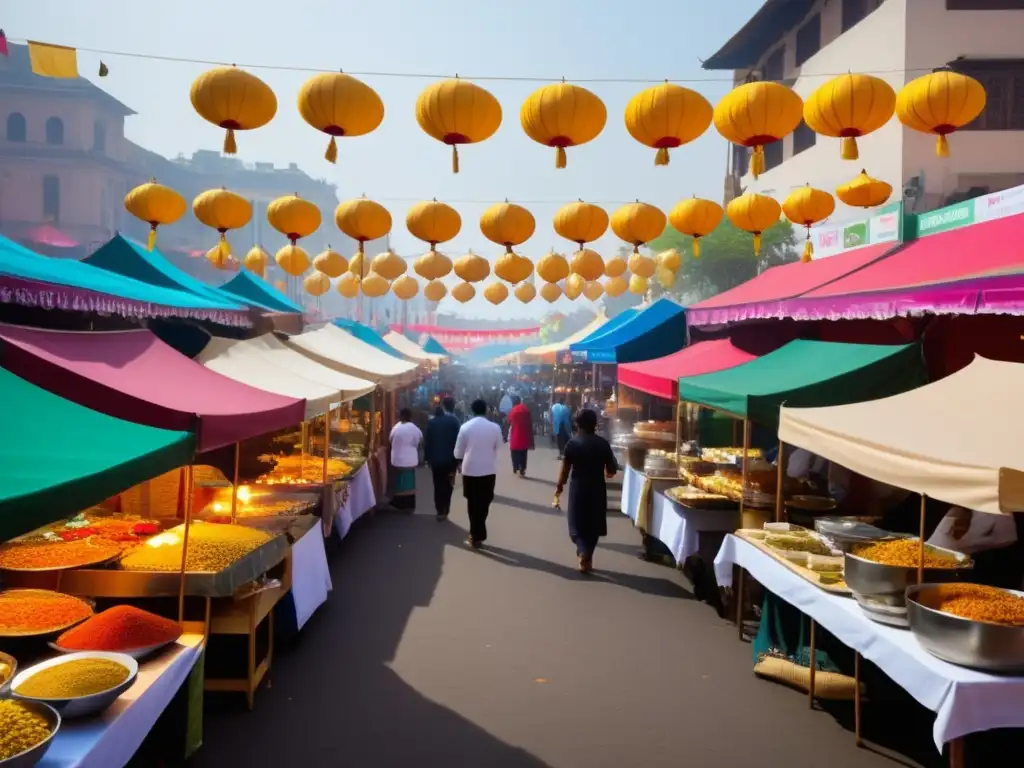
(430, 654)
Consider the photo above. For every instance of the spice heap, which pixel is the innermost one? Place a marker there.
(42, 554)
(20, 728)
(37, 611)
(74, 679)
(296, 470)
(906, 553)
(980, 603)
(121, 628)
(211, 547)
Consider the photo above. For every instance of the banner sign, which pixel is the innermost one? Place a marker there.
(883, 227)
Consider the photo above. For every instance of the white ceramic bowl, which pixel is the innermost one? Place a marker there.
(82, 705)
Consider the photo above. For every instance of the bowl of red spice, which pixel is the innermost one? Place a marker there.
(121, 629)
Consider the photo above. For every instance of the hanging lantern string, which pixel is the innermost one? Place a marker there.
(443, 75)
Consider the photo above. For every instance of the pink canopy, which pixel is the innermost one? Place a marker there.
(660, 377)
(136, 377)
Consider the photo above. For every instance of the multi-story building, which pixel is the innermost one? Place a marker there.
(803, 42)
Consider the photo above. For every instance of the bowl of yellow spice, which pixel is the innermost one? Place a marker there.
(77, 684)
(26, 731)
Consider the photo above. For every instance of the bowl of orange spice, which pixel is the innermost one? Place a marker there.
(121, 629)
(34, 612)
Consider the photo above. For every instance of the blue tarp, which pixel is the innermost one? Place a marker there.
(433, 346)
(654, 332)
(366, 334)
(620, 319)
(250, 289)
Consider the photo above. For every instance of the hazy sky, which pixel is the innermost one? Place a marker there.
(398, 164)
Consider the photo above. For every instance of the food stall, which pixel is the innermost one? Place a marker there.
(410, 351)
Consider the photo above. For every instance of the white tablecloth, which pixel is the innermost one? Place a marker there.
(311, 578)
(355, 501)
(963, 700)
(675, 526)
(110, 739)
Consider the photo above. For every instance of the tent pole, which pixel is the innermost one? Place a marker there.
(327, 437)
(920, 543)
(234, 483)
(781, 475)
(189, 492)
(746, 450)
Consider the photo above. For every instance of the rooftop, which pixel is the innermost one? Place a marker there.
(762, 31)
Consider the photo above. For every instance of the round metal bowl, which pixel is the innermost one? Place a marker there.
(83, 705)
(960, 641)
(888, 583)
(12, 670)
(33, 755)
(847, 532)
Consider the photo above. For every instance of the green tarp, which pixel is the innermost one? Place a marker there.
(58, 458)
(807, 374)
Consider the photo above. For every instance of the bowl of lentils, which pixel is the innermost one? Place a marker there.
(77, 684)
(27, 729)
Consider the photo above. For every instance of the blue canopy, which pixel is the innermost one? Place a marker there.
(254, 291)
(620, 319)
(366, 334)
(654, 332)
(487, 352)
(433, 346)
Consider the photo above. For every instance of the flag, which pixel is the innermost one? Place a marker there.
(3, 44)
(53, 60)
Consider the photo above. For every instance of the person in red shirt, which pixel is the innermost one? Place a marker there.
(520, 436)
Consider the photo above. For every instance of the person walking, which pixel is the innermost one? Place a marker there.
(561, 423)
(504, 409)
(476, 448)
(520, 435)
(589, 459)
(405, 441)
(439, 451)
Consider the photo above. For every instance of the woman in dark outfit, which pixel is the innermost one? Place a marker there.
(589, 458)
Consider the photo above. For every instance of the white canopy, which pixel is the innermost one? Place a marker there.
(540, 353)
(957, 439)
(268, 364)
(409, 348)
(341, 351)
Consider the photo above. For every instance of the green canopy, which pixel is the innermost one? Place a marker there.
(807, 374)
(58, 458)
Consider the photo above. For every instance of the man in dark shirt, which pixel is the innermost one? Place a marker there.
(439, 449)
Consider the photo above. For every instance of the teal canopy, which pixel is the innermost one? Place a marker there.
(254, 291)
(610, 327)
(807, 374)
(433, 346)
(366, 334)
(58, 458)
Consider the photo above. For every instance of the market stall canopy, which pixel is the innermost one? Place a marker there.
(546, 353)
(268, 363)
(763, 297)
(247, 288)
(660, 377)
(409, 349)
(807, 374)
(367, 335)
(928, 440)
(66, 284)
(135, 376)
(332, 347)
(605, 328)
(657, 331)
(491, 354)
(433, 346)
(58, 458)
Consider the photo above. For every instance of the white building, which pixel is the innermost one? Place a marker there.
(803, 42)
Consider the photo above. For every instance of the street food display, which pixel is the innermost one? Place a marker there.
(725, 482)
(803, 541)
(212, 547)
(23, 726)
(256, 504)
(689, 496)
(906, 553)
(53, 554)
(123, 628)
(32, 612)
(982, 603)
(7, 667)
(659, 464)
(301, 469)
(729, 455)
(73, 679)
(801, 551)
(656, 431)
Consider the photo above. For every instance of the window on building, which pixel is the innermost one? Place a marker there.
(775, 65)
(984, 5)
(55, 131)
(16, 128)
(1004, 91)
(803, 138)
(99, 136)
(808, 39)
(772, 155)
(855, 10)
(51, 199)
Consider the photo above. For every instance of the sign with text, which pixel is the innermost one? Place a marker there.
(883, 227)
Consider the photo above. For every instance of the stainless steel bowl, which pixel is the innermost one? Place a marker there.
(888, 583)
(967, 643)
(847, 532)
(83, 705)
(12, 664)
(33, 755)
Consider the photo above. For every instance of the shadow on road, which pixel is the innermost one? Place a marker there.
(527, 506)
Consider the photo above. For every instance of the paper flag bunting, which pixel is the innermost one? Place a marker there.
(53, 60)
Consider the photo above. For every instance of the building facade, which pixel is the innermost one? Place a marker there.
(804, 42)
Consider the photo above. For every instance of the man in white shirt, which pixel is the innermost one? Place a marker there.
(476, 449)
(405, 457)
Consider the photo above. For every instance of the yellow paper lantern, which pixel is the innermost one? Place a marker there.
(363, 220)
(388, 265)
(666, 277)
(457, 112)
(293, 217)
(667, 116)
(581, 222)
(222, 210)
(507, 224)
(940, 103)
(864, 191)
(339, 105)
(552, 267)
(316, 284)
(218, 256)
(405, 287)
(615, 266)
(348, 285)
(562, 115)
(433, 222)
(849, 106)
(512, 267)
(550, 292)
(359, 265)
(434, 290)
(463, 292)
(587, 264)
(697, 218)
(374, 286)
(574, 285)
(805, 207)
(670, 260)
(755, 114)
(331, 263)
(292, 259)
(154, 204)
(753, 213)
(616, 286)
(642, 265)
(432, 265)
(526, 292)
(638, 223)
(256, 261)
(496, 293)
(593, 290)
(637, 285)
(472, 268)
(233, 99)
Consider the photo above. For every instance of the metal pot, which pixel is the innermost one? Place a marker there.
(888, 583)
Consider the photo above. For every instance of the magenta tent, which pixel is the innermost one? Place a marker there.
(660, 377)
(134, 376)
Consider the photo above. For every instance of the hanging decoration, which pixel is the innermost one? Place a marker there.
(348, 285)
(432, 265)
(496, 292)
(507, 224)
(755, 114)
(642, 265)
(340, 106)
(292, 259)
(587, 264)
(256, 261)
(552, 267)
(940, 103)
(463, 292)
(293, 217)
(218, 258)
(574, 285)
(616, 286)
(222, 210)
(434, 223)
(457, 112)
(405, 287)
(525, 292)
(155, 204)
(234, 100)
(472, 268)
(434, 291)
(864, 191)
(512, 267)
(363, 220)
(374, 286)
(667, 116)
(615, 266)
(670, 260)
(562, 115)
(330, 263)
(805, 207)
(666, 277)
(388, 265)
(316, 284)
(753, 213)
(593, 290)
(581, 222)
(637, 285)
(638, 223)
(850, 106)
(550, 292)
(697, 218)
